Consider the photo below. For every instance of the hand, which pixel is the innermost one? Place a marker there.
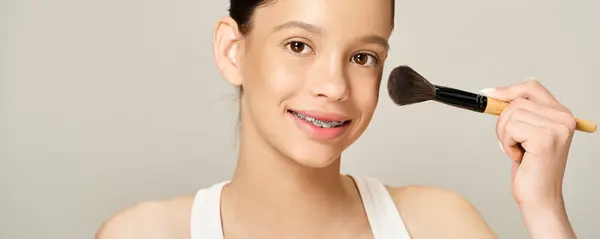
(536, 131)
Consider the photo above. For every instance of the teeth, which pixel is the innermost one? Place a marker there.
(317, 122)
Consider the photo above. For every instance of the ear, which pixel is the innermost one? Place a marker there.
(226, 48)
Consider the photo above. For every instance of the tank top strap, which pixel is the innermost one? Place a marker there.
(205, 221)
(381, 209)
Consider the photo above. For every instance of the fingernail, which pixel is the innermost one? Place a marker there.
(501, 147)
(486, 91)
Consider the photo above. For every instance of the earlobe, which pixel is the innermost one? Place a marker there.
(226, 41)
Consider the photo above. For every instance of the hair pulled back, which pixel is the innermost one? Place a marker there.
(242, 11)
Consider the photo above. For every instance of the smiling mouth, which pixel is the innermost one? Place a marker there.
(319, 122)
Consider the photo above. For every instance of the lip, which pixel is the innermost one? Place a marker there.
(317, 133)
(325, 116)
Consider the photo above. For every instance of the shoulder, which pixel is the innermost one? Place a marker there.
(150, 220)
(450, 213)
(428, 196)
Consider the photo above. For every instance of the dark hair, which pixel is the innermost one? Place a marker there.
(242, 11)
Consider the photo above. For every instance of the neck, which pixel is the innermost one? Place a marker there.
(268, 188)
(263, 173)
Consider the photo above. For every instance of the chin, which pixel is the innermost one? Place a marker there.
(315, 155)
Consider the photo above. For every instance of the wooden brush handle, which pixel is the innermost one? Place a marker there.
(495, 107)
(585, 125)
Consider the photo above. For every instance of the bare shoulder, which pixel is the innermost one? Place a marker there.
(150, 220)
(431, 212)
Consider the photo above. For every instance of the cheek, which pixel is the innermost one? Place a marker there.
(284, 76)
(273, 78)
(287, 77)
(366, 94)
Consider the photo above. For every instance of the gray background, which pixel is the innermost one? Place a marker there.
(108, 103)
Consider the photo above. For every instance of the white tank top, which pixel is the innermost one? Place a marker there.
(381, 210)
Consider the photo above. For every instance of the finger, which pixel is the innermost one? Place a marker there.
(557, 116)
(545, 129)
(532, 118)
(504, 118)
(544, 116)
(530, 89)
(515, 137)
(513, 171)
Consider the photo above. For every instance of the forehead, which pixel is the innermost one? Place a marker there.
(334, 17)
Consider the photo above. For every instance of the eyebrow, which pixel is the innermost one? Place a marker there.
(377, 40)
(318, 30)
(306, 26)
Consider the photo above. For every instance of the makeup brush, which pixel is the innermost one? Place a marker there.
(406, 86)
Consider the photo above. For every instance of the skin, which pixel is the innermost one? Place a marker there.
(288, 184)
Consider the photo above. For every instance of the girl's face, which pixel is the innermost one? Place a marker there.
(311, 71)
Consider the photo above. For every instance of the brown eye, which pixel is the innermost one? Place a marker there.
(297, 47)
(364, 59)
(360, 59)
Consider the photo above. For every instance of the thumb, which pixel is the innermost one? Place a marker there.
(513, 171)
(530, 89)
(500, 93)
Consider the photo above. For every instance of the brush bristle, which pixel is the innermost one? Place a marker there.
(406, 86)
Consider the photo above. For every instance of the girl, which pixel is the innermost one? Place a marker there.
(308, 73)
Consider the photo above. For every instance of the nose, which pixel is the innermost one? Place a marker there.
(330, 80)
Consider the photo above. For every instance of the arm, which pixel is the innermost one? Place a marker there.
(149, 220)
(140, 221)
(547, 221)
(430, 212)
